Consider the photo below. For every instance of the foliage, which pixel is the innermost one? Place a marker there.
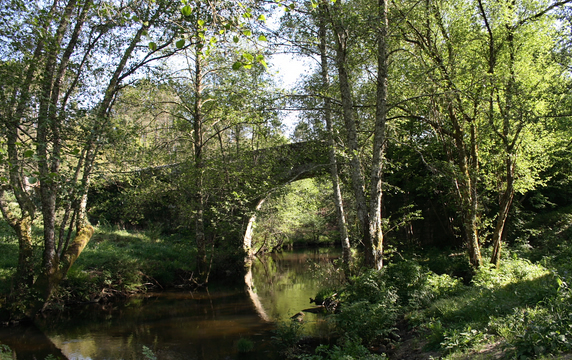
(117, 263)
(349, 349)
(543, 329)
(300, 212)
(148, 353)
(368, 307)
(287, 334)
(244, 345)
(5, 352)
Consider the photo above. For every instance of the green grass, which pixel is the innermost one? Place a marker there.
(119, 262)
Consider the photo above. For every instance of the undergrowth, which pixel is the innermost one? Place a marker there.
(523, 310)
(117, 262)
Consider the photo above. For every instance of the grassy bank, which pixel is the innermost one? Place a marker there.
(119, 263)
(114, 263)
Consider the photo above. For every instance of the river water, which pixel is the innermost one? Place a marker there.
(188, 325)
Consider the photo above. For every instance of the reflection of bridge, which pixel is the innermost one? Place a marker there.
(284, 164)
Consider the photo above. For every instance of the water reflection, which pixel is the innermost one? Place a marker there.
(199, 325)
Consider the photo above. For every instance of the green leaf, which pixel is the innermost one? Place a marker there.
(28, 153)
(186, 10)
(32, 180)
(135, 18)
(262, 18)
(262, 38)
(292, 6)
(237, 65)
(180, 44)
(201, 22)
(248, 57)
(152, 46)
(235, 39)
(247, 66)
(263, 63)
(247, 32)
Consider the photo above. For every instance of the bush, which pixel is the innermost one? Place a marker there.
(369, 307)
(545, 329)
(244, 345)
(349, 349)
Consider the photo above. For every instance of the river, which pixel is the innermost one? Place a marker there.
(206, 324)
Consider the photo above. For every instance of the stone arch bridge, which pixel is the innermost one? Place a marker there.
(282, 165)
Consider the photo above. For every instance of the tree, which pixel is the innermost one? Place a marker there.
(476, 102)
(55, 119)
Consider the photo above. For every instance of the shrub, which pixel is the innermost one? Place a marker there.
(244, 345)
(545, 329)
(369, 307)
(349, 349)
(287, 334)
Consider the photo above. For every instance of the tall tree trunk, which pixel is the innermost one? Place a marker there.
(200, 238)
(509, 149)
(344, 239)
(341, 38)
(375, 228)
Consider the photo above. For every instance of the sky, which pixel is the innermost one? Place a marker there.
(288, 69)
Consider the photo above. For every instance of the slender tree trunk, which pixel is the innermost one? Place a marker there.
(375, 228)
(341, 37)
(200, 238)
(346, 247)
(505, 204)
(509, 149)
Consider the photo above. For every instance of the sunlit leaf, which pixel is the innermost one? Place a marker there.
(201, 22)
(186, 10)
(262, 38)
(262, 18)
(247, 32)
(248, 57)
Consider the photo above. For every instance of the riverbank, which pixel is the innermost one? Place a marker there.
(419, 307)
